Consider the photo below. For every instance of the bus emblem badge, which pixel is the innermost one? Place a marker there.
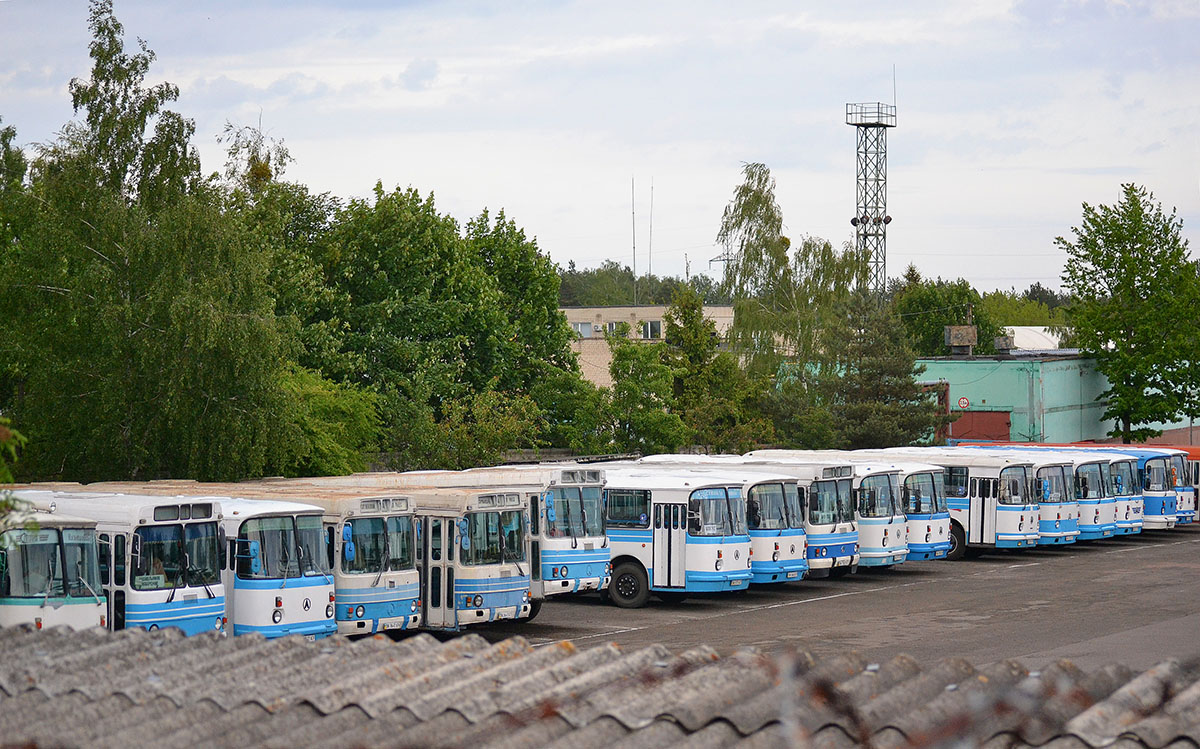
(307, 604)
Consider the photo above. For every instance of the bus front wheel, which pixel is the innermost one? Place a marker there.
(629, 588)
(535, 607)
(958, 544)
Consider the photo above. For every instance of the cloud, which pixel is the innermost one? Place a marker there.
(419, 75)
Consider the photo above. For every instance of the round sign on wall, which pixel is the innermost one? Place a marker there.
(964, 402)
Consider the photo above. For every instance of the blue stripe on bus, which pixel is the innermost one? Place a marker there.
(317, 629)
(278, 582)
(493, 584)
(569, 556)
(367, 595)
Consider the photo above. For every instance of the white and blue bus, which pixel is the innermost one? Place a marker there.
(988, 494)
(473, 553)
(278, 572)
(1054, 490)
(569, 546)
(923, 497)
(159, 558)
(774, 512)
(1185, 491)
(50, 572)
(674, 532)
(370, 543)
(1152, 474)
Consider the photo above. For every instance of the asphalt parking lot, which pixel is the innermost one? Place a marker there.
(1134, 600)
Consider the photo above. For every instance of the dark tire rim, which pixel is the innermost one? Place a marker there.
(954, 548)
(627, 586)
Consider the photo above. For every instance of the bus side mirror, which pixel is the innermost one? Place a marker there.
(347, 532)
(135, 549)
(550, 513)
(1045, 490)
(464, 540)
(348, 551)
(222, 540)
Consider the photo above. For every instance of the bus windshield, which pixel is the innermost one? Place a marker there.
(793, 503)
(1089, 482)
(400, 543)
(494, 537)
(876, 496)
(1122, 478)
(176, 556)
(922, 495)
(288, 547)
(1155, 475)
(30, 565)
(822, 503)
(577, 512)
(1181, 472)
(370, 546)
(712, 513)
(765, 508)
(1014, 482)
(1052, 484)
(845, 502)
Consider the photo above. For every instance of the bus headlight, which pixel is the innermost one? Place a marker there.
(775, 557)
(359, 611)
(525, 595)
(718, 565)
(478, 601)
(277, 615)
(412, 606)
(152, 628)
(329, 611)
(217, 625)
(563, 571)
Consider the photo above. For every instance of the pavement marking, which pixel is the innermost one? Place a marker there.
(1030, 564)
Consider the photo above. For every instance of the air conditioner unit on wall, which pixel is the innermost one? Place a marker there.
(596, 327)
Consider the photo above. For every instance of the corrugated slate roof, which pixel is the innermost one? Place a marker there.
(134, 687)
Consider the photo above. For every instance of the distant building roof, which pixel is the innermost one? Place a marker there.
(136, 688)
(1033, 337)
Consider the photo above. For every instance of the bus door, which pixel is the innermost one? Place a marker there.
(437, 596)
(989, 492)
(112, 577)
(670, 539)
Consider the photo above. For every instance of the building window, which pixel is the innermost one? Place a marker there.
(582, 329)
(610, 328)
(651, 329)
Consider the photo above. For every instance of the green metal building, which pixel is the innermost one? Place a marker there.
(1039, 396)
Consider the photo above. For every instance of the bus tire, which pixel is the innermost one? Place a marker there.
(535, 608)
(958, 543)
(629, 588)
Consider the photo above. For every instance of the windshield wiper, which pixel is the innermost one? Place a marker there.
(387, 554)
(187, 563)
(567, 517)
(49, 582)
(80, 578)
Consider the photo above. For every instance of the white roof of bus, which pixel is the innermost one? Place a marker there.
(1060, 455)
(956, 455)
(104, 506)
(823, 459)
(669, 477)
(45, 519)
(250, 508)
(743, 472)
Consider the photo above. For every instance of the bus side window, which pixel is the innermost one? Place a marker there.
(232, 553)
(329, 546)
(119, 560)
(105, 557)
(535, 509)
(435, 540)
(975, 487)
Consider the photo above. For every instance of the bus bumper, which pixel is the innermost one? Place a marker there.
(778, 572)
(873, 558)
(1016, 543)
(702, 582)
(925, 552)
(553, 587)
(1057, 539)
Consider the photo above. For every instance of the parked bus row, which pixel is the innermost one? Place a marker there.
(442, 550)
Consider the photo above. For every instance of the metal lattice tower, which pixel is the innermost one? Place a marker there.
(872, 120)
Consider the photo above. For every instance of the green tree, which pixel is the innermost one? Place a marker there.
(717, 401)
(1132, 282)
(643, 400)
(142, 325)
(782, 301)
(328, 428)
(528, 284)
(577, 413)
(1011, 308)
(876, 400)
(927, 306)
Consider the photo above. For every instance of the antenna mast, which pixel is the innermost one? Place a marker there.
(633, 215)
(650, 245)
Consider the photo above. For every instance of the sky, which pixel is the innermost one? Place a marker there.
(590, 122)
